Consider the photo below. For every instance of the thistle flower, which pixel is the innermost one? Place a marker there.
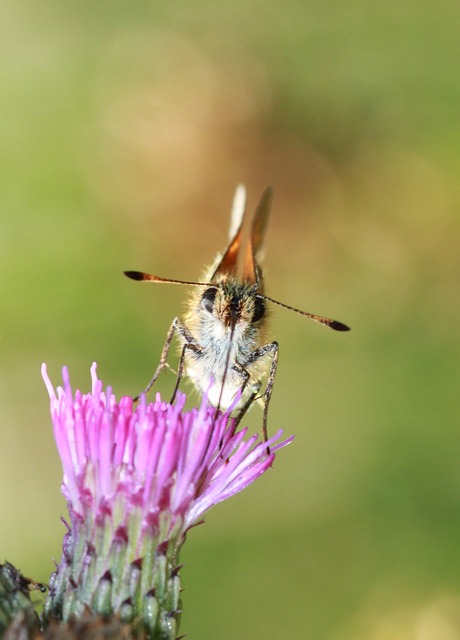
(136, 478)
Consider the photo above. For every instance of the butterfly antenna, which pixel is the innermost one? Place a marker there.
(148, 277)
(327, 322)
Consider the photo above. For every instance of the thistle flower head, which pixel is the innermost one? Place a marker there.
(136, 478)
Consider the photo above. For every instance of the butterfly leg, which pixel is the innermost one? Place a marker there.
(190, 344)
(163, 360)
(270, 349)
(242, 412)
(177, 326)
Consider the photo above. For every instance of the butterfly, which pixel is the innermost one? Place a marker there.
(224, 345)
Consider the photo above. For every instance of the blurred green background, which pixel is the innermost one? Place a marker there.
(125, 127)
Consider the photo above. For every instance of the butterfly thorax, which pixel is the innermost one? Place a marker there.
(228, 321)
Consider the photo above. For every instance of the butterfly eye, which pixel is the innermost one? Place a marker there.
(207, 300)
(259, 309)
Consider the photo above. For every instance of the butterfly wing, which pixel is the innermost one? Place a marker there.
(238, 210)
(254, 249)
(229, 262)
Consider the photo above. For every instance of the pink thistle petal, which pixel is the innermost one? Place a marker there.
(153, 456)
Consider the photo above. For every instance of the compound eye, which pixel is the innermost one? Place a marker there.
(259, 309)
(207, 300)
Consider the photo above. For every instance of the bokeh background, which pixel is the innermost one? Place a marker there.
(125, 127)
